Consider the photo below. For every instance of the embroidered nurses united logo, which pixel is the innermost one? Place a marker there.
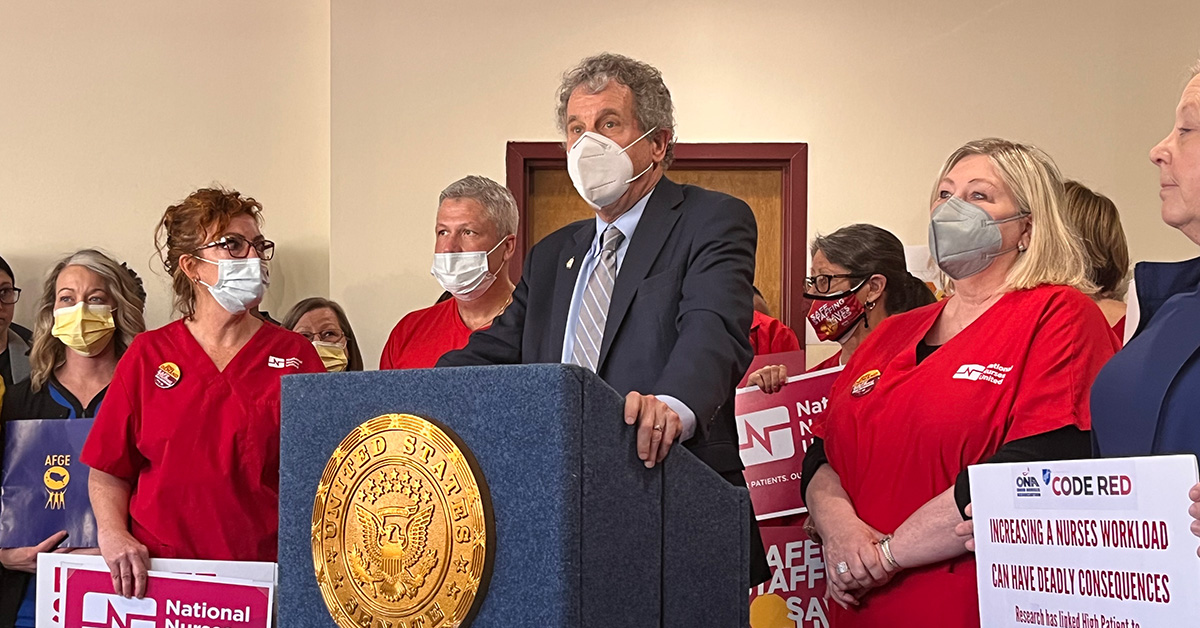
(993, 373)
(283, 363)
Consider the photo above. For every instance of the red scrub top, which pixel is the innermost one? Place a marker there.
(423, 336)
(201, 448)
(899, 439)
(769, 335)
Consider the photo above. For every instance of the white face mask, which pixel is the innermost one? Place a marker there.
(600, 169)
(240, 285)
(465, 275)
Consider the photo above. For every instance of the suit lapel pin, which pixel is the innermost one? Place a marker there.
(570, 262)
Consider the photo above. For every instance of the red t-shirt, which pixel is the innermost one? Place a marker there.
(201, 449)
(423, 336)
(769, 335)
(1022, 368)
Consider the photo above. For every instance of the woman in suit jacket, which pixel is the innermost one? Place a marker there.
(1145, 399)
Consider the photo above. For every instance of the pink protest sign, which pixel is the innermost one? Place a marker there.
(171, 602)
(774, 432)
(794, 597)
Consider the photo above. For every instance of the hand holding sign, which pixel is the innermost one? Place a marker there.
(1087, 542)
(1194, 511)
(25, 558)
(966, 531)
(769, 379)
(127, 560)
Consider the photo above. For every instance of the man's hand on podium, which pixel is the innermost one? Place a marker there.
(657, 426)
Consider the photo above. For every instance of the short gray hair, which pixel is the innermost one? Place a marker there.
(652, 104)
(498, 203)
(1195, 69)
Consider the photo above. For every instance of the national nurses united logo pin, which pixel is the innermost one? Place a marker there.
(865, 383)
(167, 375)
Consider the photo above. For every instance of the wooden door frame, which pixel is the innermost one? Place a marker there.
(791, 159)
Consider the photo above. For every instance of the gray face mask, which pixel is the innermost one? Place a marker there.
(964, 239)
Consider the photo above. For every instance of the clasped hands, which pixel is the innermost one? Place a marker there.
(856, 544)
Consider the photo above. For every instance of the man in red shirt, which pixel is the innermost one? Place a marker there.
(475, 238)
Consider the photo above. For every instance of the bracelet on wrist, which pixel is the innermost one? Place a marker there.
(886, 547)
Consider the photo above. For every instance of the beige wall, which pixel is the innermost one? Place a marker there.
(347, 118)
(111, 111)
(881, 91)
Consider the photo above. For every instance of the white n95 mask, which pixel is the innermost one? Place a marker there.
(600, 169)
(465, 275)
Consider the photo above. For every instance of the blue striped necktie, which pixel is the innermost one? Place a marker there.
(593, 309)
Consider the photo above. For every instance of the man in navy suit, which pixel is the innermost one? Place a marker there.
(654, 294)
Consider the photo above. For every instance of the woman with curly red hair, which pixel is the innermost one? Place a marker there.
(185, 451)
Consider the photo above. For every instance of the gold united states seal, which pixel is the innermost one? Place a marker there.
(402, 533)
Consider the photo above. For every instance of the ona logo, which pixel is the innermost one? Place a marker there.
(765, 436)
(103, 610)
(1027, 485)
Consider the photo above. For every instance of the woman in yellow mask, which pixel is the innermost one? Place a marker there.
(324, 324)
(90, 310)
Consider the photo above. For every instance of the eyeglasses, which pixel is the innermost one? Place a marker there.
(331, 336)
(239, 247)
(821, 283)
(10, 296)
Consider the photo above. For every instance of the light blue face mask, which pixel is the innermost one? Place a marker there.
(965, 239)
(240, 285)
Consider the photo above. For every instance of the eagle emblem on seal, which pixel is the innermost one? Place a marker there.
(392, 554)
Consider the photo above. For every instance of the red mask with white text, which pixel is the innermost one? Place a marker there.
(832, 319)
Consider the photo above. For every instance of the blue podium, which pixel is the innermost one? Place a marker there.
(585, 535)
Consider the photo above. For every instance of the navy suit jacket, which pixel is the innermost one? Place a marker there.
(1146, 400)
(679, 319)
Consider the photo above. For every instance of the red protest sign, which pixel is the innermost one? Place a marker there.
(774, 432)
(171, 601)
(794, 597)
